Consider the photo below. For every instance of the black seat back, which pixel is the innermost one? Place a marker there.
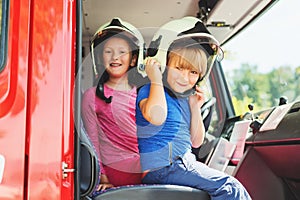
(89, 166)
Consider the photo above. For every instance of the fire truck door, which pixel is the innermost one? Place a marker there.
(13, 97)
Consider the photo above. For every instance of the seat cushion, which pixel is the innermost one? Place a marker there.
(155, 192)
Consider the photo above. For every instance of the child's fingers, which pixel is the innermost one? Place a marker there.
(151, 61)
(104, 186)
(153, 69)
(199, 89)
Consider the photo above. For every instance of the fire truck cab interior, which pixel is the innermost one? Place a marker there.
(265, 168)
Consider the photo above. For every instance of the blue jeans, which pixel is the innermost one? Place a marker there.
(189, 172)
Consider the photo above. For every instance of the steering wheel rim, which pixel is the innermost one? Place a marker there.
(206, 107)
(209, 140)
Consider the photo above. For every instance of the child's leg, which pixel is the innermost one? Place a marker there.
(191, 173)
(124, 172)
(120, 178)
(218, 184)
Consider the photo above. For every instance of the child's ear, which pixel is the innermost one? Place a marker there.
(133, 60)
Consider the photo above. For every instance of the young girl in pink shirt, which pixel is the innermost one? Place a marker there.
(108, 109)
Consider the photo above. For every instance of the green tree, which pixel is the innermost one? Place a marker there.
(297, 83)
(281, 83)
(247, 82)
(263, 90)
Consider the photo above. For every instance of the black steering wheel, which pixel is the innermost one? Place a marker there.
(206, 111)
(209, 140)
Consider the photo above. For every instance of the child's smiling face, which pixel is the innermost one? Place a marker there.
(117, 56)
(181, 79)
(185, 66)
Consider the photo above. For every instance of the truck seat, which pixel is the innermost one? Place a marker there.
(89, 179)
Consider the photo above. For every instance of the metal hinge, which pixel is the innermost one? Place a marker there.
(66, 170)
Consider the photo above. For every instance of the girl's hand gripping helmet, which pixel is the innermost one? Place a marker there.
(185, 29)
(123, 29)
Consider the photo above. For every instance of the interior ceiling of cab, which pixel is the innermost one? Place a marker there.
(224, 18)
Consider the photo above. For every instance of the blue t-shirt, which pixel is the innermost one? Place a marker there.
(160, 145)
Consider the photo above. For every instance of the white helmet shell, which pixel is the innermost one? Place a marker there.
(176, 30)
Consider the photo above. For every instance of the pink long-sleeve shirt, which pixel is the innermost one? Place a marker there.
(112, 129)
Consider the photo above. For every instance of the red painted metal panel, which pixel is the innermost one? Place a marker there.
(13, 100)
(51, 78)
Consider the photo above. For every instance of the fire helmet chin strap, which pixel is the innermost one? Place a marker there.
(100, 88)
(100, 93)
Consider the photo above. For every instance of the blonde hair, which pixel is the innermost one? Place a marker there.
(189, 58)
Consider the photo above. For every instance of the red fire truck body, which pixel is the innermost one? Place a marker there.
(37, 126)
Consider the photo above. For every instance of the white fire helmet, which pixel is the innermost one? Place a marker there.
(180, 31)
(123, 29)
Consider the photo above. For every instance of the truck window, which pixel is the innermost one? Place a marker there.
(3, 32)
(261, 62)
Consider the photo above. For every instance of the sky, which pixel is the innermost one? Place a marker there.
(273, 40)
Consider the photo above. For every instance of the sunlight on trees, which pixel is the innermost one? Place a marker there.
(262, 89)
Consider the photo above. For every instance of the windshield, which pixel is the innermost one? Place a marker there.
(261, 63)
